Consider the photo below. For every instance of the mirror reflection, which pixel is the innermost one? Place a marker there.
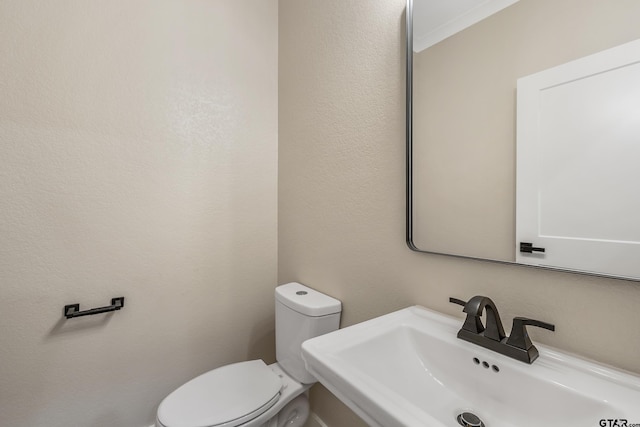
(464, 75)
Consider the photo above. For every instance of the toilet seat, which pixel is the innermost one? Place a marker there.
(224, 397)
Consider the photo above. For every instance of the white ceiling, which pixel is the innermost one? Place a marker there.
(435, 20)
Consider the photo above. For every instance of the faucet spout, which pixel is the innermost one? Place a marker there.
(474, 308)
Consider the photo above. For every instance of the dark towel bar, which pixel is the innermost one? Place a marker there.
(73, 310)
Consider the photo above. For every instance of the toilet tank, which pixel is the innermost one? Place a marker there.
(301, 313)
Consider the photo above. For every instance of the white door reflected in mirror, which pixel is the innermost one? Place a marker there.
(578, 145)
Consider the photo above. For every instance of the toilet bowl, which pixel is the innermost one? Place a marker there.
(252, 393)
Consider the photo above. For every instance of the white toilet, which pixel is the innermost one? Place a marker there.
(252, 394)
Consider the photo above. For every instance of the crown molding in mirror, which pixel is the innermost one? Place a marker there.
(444, 18)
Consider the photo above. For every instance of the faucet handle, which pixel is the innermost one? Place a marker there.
(519, 337)
(457, 301)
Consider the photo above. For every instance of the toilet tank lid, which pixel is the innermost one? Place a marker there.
(307, 301)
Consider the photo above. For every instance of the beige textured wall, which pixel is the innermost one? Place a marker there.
(138, 157)
(341, 197)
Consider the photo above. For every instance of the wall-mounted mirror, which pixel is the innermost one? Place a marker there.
(464, 60)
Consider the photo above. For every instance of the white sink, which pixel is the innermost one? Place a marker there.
(407, 368)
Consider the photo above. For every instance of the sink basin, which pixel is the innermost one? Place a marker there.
(407, 368)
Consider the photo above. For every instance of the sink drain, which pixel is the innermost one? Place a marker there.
(467, 419)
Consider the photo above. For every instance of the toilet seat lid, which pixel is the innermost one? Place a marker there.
(226, 396)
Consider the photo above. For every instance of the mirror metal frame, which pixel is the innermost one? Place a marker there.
(409, 169)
